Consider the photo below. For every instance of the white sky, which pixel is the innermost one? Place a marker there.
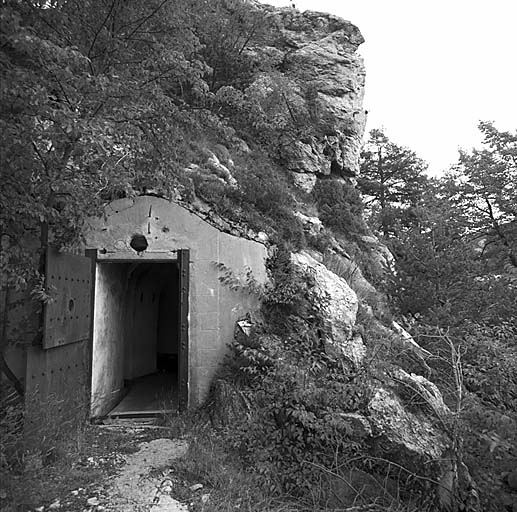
(434, 68)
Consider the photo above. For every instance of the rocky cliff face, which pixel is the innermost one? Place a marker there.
(309, 85)
(316, 60)
(318, 52)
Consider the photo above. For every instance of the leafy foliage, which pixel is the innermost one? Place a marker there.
(340, 207)
(99, 100)
(227, 30)
(455, 259)
(485, 407)
(392, 179)
(485, 187)
(90, 104)
(298, 385)
(451, 264)
(107, 99)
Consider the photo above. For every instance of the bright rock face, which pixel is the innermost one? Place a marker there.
(404, 430)
(424, 389)
(316, 52)
(340, 300)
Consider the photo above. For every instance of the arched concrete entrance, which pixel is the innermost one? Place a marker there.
(135, 337)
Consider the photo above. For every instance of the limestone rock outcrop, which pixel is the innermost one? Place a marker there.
(311, 225)
(317, 53)
(339, 304)
(315, 90)
(213, 170)
(409, 434)
(424, 390)
(401, 429)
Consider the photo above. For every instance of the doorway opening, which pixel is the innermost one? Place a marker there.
(137, 356)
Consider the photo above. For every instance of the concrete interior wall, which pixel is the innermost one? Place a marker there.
(168, 321)
(213, 306)
(108, 337)
(141, 327)
(150, 315)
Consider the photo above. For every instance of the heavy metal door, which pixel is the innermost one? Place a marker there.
(183, 370)
(58, 371)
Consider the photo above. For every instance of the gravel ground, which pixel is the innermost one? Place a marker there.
(120, 468)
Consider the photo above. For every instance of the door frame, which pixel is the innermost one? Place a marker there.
(92, 254)
(183, 261)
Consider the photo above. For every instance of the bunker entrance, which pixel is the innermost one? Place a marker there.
(137, 356)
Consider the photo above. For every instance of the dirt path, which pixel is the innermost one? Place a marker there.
(116, 468)
(142, 483)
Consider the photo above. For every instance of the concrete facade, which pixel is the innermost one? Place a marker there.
(213, 306)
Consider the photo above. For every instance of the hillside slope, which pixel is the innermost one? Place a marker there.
(251, 117)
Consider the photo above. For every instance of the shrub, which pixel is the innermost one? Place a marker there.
(297, 385)
(11, 428)
(340, 207)
(486, 419)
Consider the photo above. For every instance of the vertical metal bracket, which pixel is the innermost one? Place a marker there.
(183, 302)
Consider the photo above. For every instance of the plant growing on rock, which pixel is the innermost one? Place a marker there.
(340, 207)
(297, 386)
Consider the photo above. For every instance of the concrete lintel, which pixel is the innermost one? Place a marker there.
(121, 256)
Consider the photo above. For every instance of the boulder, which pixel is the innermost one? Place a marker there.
(214, 165)
(354, 350)
(359, 425)
(424, 390)
(304, 181)
(211, 170)
(406, 435)
(381, 254)
(306, 157)
(339, 301)
(312, 225)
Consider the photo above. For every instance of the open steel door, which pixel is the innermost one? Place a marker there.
(58, 371)
(183, 360)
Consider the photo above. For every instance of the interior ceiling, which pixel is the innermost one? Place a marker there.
(154, 271)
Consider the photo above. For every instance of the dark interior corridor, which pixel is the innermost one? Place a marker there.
(150, 340)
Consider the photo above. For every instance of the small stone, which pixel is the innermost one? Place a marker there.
(92, 502)
(55, 505)
(100, 508)
(196, 487)
(262, 237)
(205, 498)
(75, 493)
(39, 509)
